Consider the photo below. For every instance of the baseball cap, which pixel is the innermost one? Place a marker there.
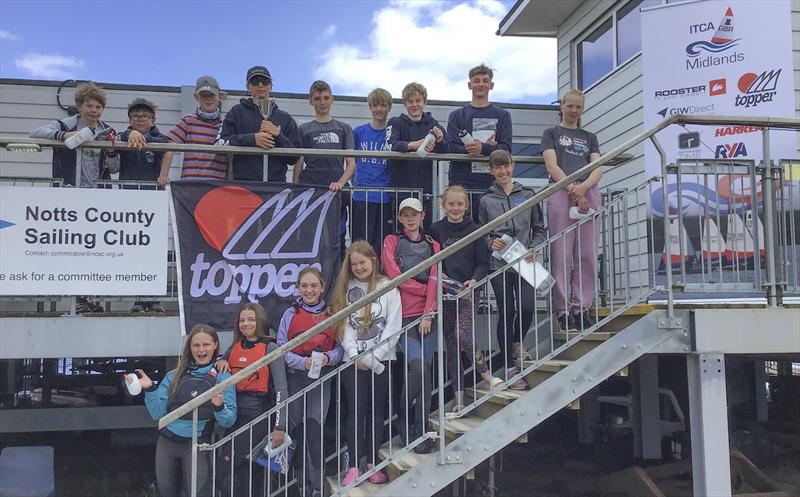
(258, 71)
(411, 203)
(142, 102)
(206, 83)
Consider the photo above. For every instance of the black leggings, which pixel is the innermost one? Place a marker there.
(515, 298)
(367, 399)
(174, 468)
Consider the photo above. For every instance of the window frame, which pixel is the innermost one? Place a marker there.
(576, 69)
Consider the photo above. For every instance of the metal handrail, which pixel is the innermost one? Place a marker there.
(607, 159)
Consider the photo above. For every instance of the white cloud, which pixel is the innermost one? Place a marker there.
(50, 66)
(8, 35)
(436, 44)
(329, 32)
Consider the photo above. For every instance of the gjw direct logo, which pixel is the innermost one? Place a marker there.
(703, 53)
(263, 242)
(757, 88)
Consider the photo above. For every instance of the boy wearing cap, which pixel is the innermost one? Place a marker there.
(489, 126)
(202, 128)
(246, 125)
(141, 165)
(372, 213)
(401, 252)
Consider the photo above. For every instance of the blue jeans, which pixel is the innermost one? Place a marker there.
(415, 397)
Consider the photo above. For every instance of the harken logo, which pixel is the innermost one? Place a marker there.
(263, 242)
(724, 38)
(757, 88)
(730, 151)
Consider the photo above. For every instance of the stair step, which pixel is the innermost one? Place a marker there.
(400, 465)
(635, 310)
(544, 371)
(365, 489)
(581, 347)
(454, 428)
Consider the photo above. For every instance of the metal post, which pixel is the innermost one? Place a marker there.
(708, 408)
(193, 484)
(440, 354)
(771, 247)
(665, 198)
(648, 406)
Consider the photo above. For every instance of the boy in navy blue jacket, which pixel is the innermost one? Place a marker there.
(138, 164)
(406, 133)
(245, 126)
(490, 128)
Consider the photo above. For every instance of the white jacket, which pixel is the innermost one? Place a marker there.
(386, 320)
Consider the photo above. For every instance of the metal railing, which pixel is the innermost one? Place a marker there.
(619, 290)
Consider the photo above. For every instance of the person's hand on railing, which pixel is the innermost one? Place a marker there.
(222, 366)
(425, 326)
(469, 283)
(163, 180)
(69, 134)
(277, 437)
(336, 186)
(136, 140)
(218, 399)
(144, 380)
(265, 140)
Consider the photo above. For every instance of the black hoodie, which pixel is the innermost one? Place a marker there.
(142, 165)
(412, 173)
(239, 128)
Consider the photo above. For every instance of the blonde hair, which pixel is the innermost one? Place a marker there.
(186, 353)
(455, 189)
(379, 96)
(415, 88)
(364, 249)
(89, 91)
(574, 92)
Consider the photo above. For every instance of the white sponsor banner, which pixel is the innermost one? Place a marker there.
(717, 58)
(70, 241)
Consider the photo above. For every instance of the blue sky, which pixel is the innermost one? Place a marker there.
(354, 44)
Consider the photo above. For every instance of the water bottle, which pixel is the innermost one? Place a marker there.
(466, 138)
(79, 138)
(316, 364)
(134, 387)
(421, 151)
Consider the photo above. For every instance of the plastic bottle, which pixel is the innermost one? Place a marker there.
(79, 138)
(316, 364)
(466, 138)
(421, 151)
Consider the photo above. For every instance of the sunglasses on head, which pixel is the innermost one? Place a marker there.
(260, 81)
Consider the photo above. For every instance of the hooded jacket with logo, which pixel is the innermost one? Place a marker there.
(295, 362)
(142, 165)
(527, 227)
(413, 173)
(156, 400)
(239, 129)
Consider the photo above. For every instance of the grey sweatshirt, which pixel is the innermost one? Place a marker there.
(527, 227)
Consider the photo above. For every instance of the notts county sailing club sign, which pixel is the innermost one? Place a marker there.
(68, 241)
(246, 242)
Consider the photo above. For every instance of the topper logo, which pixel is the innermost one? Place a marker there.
(241, 226)
(280, 211)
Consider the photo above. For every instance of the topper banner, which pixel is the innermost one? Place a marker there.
(246, 242)
(69, 241)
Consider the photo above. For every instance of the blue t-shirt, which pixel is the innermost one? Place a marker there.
(371, 171)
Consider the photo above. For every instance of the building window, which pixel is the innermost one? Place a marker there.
(615, 41)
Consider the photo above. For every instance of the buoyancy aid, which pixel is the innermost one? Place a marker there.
(408, 253)
(302, 321)
(190, 386)
(241, 357)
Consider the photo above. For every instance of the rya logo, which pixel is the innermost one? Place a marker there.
(731, 151)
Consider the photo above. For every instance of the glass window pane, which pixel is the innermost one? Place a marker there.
(595, 55)
(629, 31)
